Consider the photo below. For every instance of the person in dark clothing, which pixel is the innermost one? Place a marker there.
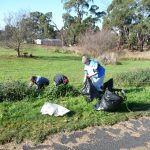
(60, 79)
(39, 81)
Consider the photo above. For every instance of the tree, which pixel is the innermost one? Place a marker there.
(24, 26)
(72, 24)
(146, 6)
(17, 30)
(131, 20)
(2, 35)
(80, 22)
(78, 6)
(42, 25)
(120, 15)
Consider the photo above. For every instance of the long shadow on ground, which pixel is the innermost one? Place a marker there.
(60, 58)
(127, 107)
(134, 106)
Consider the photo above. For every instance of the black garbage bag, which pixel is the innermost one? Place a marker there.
(89, 91)
(111, 100)
(108, 85)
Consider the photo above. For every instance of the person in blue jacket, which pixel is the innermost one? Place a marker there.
(39, 81)
(94, 71)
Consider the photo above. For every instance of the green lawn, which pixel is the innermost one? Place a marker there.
(23, 120)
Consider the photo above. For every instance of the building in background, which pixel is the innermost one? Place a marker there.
(48, 42)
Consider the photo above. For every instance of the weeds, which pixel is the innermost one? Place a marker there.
(135, 78)
(15, 90)
(55, 92)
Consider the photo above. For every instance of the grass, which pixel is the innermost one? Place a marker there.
(22, 119)
(46, 63)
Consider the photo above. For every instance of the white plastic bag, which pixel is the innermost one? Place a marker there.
(54, 109)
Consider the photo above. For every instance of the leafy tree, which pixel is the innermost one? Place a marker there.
(80, 22)
(140, 25)
(120, 15)
(146, 6)
(79, 7)
(42, 25)
(130, 19)
(72, 24)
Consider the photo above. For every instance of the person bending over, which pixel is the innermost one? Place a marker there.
(39, 81)
(60, 79)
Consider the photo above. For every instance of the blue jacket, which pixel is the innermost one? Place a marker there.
(42, 81)
(93, 67)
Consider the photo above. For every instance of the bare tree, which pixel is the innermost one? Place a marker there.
(17, 30)
(95, 43)
(101, 45)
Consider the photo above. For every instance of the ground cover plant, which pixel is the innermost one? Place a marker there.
(21, 118)
(136, 78)
(15, 91)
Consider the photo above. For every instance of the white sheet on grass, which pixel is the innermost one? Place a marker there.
(54, 109)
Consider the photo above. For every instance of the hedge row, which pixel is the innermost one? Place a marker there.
(16, 90)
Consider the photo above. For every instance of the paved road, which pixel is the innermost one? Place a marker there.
(129, 135)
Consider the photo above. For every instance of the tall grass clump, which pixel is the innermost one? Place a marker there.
(15, 90)
(134, 78)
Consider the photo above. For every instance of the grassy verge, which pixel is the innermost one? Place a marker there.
(22, 119)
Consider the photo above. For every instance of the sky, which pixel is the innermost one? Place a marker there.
(44, 6)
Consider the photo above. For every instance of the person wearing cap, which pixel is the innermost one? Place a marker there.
(39, 81)
(94, 71)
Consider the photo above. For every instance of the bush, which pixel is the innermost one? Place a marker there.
(134, 78)
(96, 43)
(15, 90)
(61, 91)
(108, 58)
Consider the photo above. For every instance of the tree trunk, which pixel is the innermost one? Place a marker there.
(140, 42)
(74, 39)
(126, 31)
(62, 39)
(18, 50)
(119, 43)
(130, 46)
(79, 14)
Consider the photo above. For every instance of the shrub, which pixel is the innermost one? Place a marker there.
(108, 58)
(96, 43)
(134, 78)
(63, 51)
(61, 91)
(15, 90)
